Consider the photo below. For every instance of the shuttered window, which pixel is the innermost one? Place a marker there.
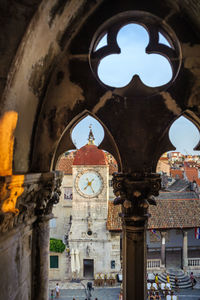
(53, 261)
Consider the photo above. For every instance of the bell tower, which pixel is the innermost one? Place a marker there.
(89, 236)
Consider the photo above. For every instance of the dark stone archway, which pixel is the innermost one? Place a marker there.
(47, 82)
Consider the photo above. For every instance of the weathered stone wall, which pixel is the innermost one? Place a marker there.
(15, 262)
(24, 235)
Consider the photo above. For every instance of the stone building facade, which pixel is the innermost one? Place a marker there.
(81, 217)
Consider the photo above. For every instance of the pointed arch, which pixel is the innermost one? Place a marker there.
(65, 142)
(191, 116)
(165, 143)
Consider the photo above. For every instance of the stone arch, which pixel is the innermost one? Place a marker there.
(194, 118)
(107, 107)
(30, 68)
(165, 143)
(65, 142)
(52, 34)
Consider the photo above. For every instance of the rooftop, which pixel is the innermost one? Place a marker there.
(90, 155)
(66, 161)
(173, 210)
(169, 214)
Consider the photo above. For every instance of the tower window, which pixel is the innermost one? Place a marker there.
(112, 264)
(67, 193)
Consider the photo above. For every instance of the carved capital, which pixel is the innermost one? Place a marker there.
(49, 194)
(38, 193)
(135, 192)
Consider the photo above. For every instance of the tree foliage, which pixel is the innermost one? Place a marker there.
(56, 245)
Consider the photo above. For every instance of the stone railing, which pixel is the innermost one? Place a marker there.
(153, 264)
(193, 262)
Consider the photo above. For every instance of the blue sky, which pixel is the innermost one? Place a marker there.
(81, 131)
(117, 70)
(183, 134)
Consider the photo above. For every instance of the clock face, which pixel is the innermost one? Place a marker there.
(89, 184)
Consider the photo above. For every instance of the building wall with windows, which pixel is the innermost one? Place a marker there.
(59, 225)
(59, 229)
(57, 266)
(70, 225)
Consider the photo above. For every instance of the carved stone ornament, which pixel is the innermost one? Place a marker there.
(154, 26)
(40, 193)
(135, 192)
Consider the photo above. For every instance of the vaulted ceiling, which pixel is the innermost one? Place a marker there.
(47, 80)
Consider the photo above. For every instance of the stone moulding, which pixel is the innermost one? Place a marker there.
(41, 192)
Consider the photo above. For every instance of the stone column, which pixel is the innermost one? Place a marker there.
(46, 198)
(134, 192)
(185, 249)
(163, 242)
(29, 200)
(41, 259)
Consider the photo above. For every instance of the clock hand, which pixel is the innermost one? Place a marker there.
(89, 182)
(85, 187)
(92, 189)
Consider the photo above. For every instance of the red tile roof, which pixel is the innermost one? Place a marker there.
(191, 173)
(165, 158)
(167, 214)
(176, 173)
(65, 163)
(90, 155)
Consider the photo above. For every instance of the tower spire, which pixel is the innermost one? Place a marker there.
(91, 136)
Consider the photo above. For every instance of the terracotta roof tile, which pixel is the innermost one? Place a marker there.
(166, 214)
(65, 164)
(176, 195)
(191, 173)
(176, 173)
(66, 161)
(90, 155)
(175, 214)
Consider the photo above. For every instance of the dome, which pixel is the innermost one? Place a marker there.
(90, 155)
